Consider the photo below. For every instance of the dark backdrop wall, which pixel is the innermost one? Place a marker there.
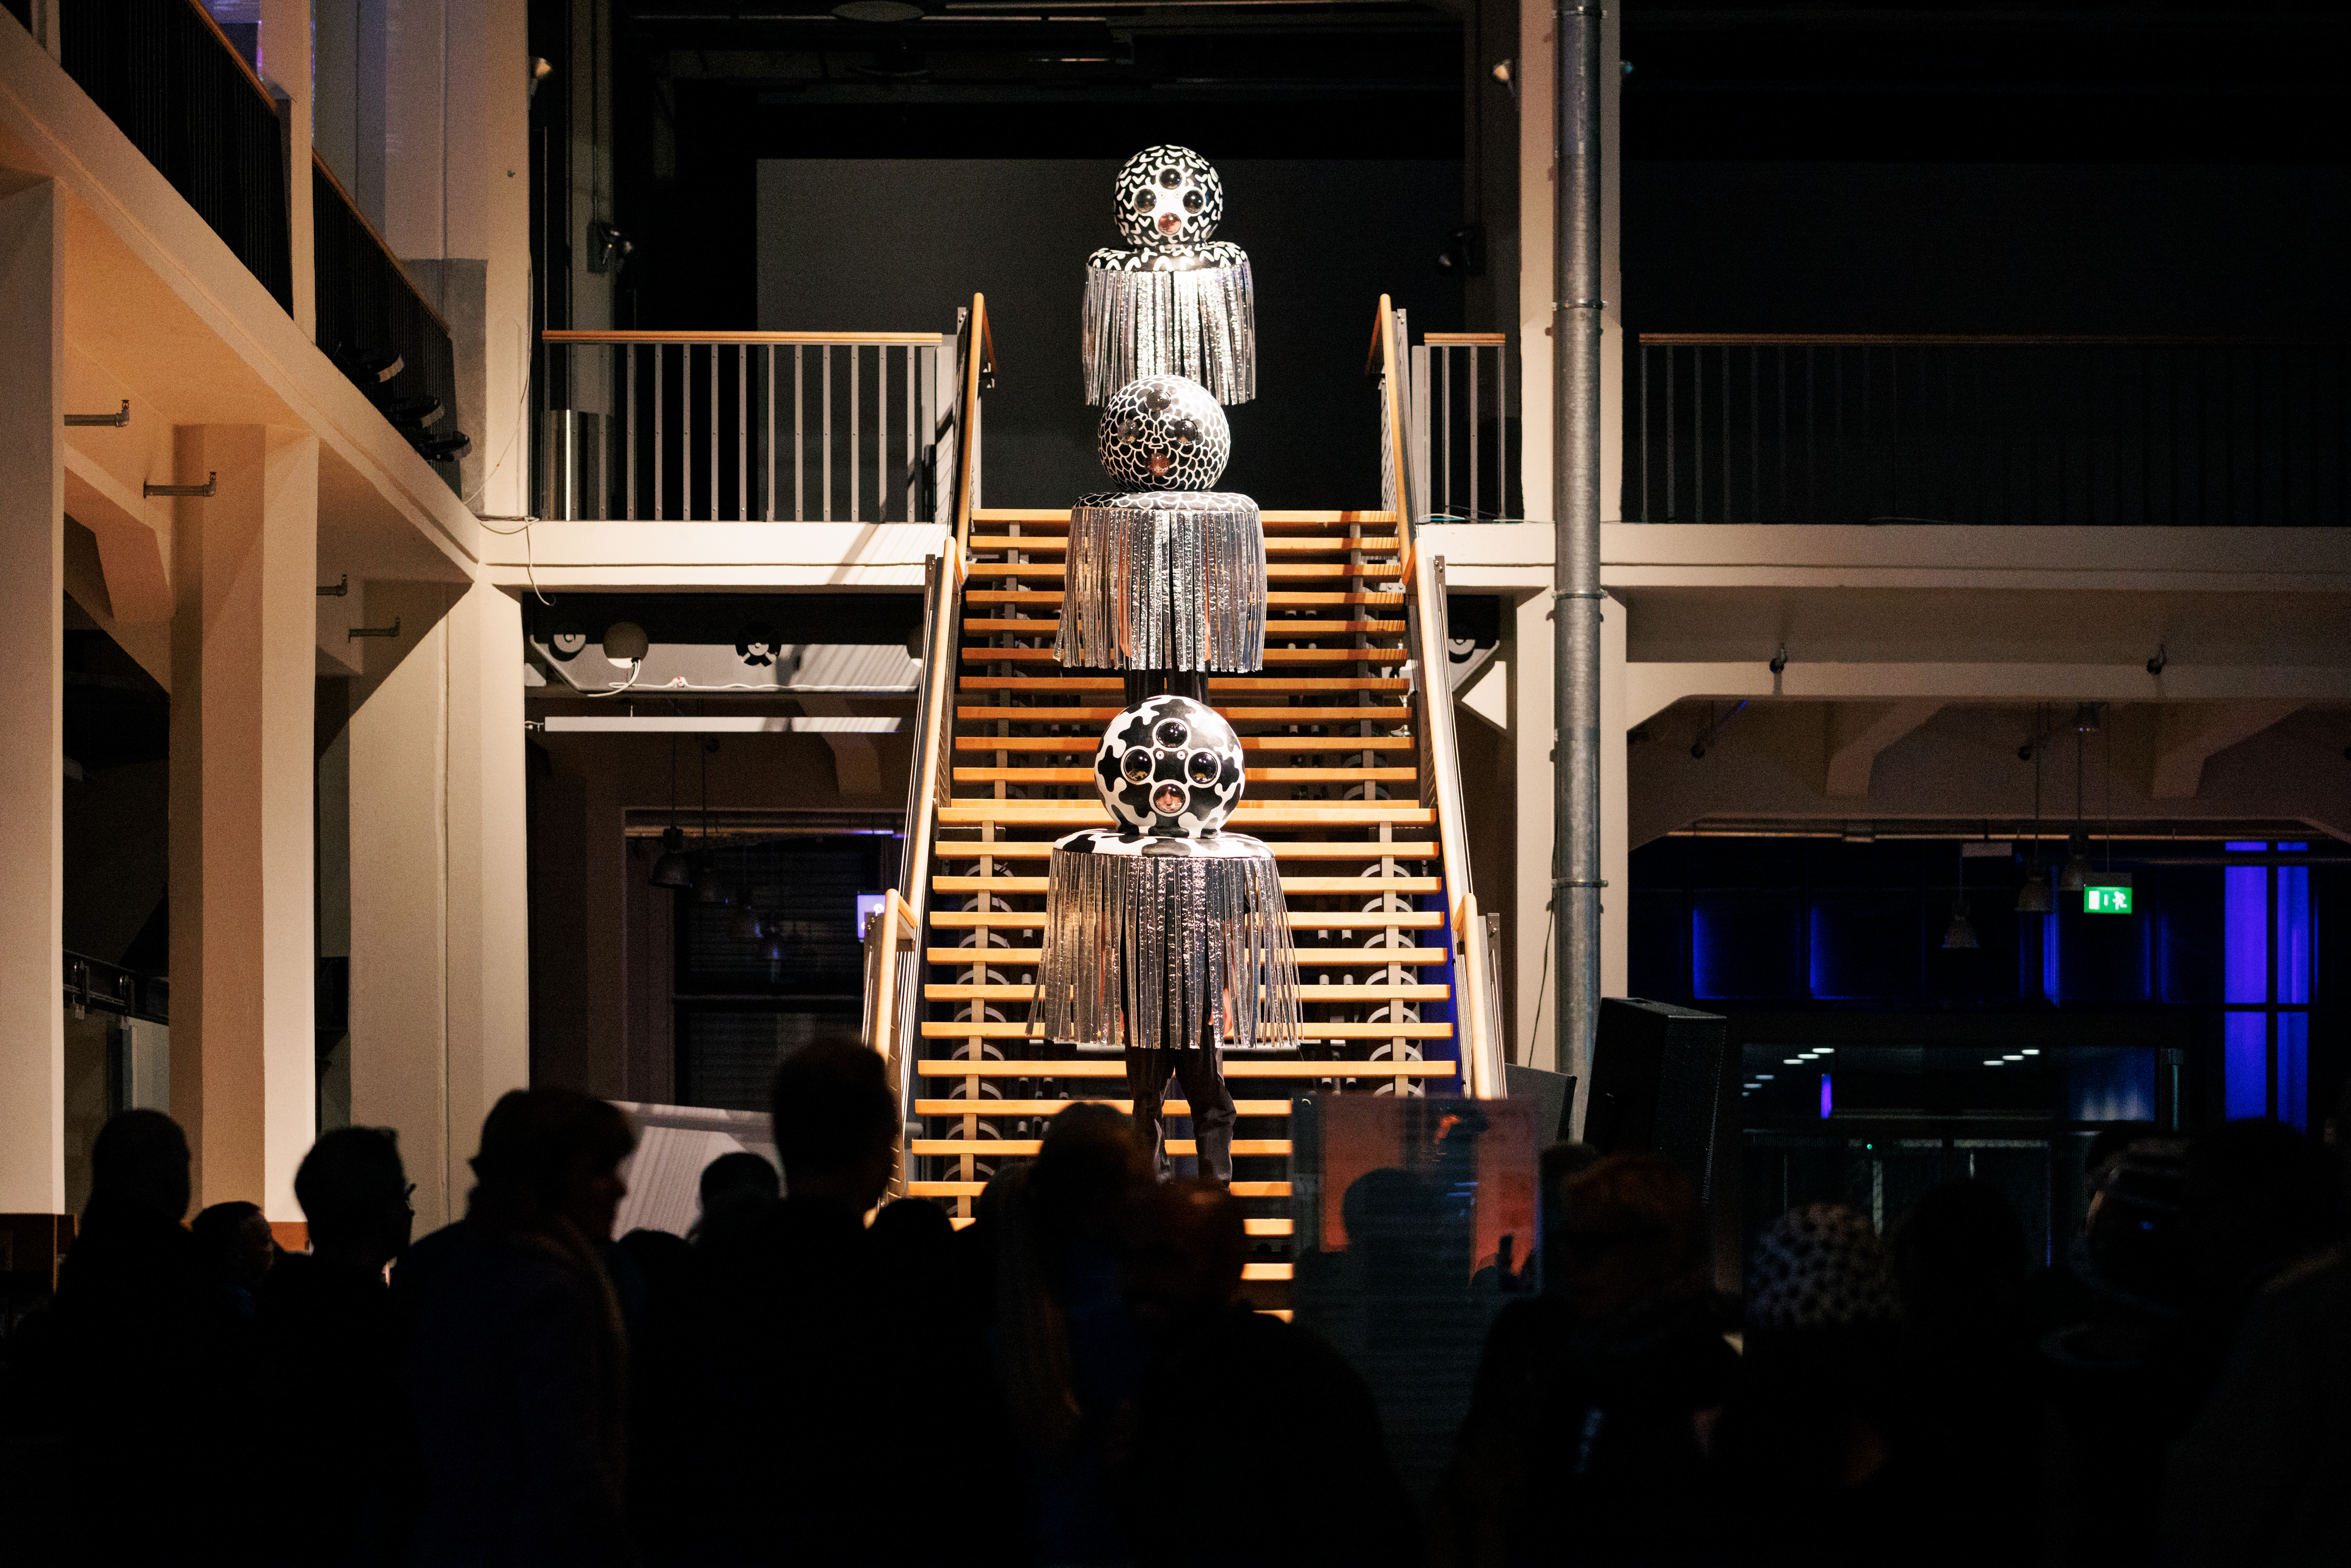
(2109, 248)
(898, 244)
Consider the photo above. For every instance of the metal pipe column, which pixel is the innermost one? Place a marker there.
(1575, 604)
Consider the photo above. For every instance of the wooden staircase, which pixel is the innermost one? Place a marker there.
(1359, 802)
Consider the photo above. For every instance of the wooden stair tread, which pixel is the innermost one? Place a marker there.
(1280, 543)
(1245, 1063)
(1085, 743)
(1336, 773)
(1295, 886)
(1020, 1146)
(1306, 920)
(1275, 570)
(1275, 628)
(1310, 958)
(1262, 813)
(974, 1188)
(1082, 713)
(1272, 517)
(1283, 850)
(1054, 1107)
(1390, 597)
(988, 655)
(1016, 991)
(1216, 683)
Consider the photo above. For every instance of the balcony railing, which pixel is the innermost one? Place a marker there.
(1462, 426)
(167, 75)
(749, 427)
(1833, 429)
(379, 329)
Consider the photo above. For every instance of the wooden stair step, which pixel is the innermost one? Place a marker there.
(1018, 1147)
(974, 1188)
(1292, 542)
(965, 810)
(1254, 683)
(1308, 958)
(1074, 713)
(1294, 886)
(1388, 596)
(1388, 991)
(1275, 628)
(1085, 743)
(1038, 849)
(1336, 773)
(1272, 517)
(1275, 570)
(1299, 919)
(1054, 1107)
(1243, 1064)
(993, 655)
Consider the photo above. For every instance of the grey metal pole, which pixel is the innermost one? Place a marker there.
(1575, 620)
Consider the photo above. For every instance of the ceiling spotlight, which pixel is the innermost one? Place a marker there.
(2029, 1051)
(675, 867)
(625, 643)
(1762, 1078)
(2076, 870)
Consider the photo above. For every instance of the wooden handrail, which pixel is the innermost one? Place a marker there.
(898, 911)
(830, 340)
(1472, 339)
(981, 360)
(1960, 340)
(318, 165)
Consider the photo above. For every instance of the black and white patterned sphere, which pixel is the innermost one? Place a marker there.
(1169, 764)
(1164, 432)
(1168, 196)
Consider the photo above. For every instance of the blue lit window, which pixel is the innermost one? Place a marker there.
(2265, 986)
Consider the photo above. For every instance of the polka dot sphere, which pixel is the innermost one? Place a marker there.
(1164, 432)
(1169, 764)
(1818, 1266)
(1168, 196)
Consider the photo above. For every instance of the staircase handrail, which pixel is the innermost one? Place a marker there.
(980, 374)
(1479, 1034)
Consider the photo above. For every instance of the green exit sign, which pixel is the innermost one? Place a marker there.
(2098, 899)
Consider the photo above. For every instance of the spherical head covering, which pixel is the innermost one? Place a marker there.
(1818, 1266)
(1168, 196)
(1169, 766)
(1162, 433)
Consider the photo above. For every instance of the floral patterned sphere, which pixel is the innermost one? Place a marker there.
(1164, 432)
(1169, 766)
(1168, 196)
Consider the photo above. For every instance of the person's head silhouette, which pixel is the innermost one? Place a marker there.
(354, 1192)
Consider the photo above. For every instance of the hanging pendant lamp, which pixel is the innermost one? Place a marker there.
(675, 867)
(2032, 898)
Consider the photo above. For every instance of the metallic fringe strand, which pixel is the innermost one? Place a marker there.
(1170, 582)
(1145, 951)
(1201, 324)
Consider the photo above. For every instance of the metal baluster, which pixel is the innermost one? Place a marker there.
(714, 433)
(799, 441)
(913, 358)
(1698, 435)
(1755, 434)
(827, 421)
(855, 356)
(1670, 444)
(1648, 354)
(658, 432)
(1445, 427)
(742, 433)
(1779, 365)
(770, 494)
(1474, 433)
(629, 353)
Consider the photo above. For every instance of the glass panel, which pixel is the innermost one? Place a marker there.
(2292, 933)
(2294, 1070)
(2245, 934)
(2245, 1065)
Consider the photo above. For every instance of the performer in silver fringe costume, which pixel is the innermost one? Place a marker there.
(1166, 937)
(1165, 583)
(1178, 302)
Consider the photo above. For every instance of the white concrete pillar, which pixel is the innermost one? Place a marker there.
(242, 630)
(32, 710)
(489, 871)
(1615, 848)
(439, 914)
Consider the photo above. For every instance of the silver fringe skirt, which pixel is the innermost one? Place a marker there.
(1200, 323)
(1165, 580)
(1168, 944)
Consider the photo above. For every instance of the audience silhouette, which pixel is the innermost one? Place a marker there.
(519, 1388)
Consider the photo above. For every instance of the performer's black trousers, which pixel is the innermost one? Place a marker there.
(1202, 1075)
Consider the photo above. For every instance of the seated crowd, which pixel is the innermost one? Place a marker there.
(1078, 1376)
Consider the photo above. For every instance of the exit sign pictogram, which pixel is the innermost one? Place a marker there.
(2106, 900)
